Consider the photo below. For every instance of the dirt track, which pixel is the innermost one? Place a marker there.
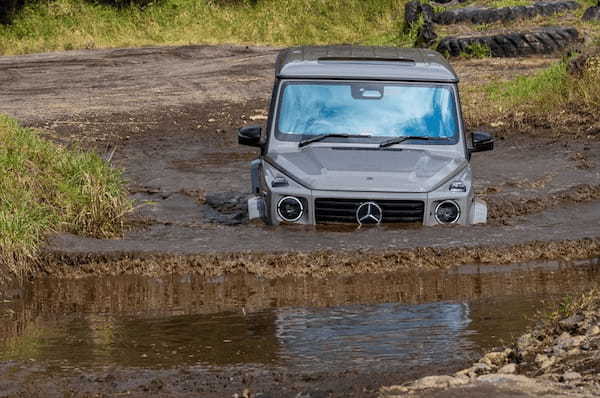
(171, 116)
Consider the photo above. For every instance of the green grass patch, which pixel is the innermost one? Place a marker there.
(76, 24)
(508, 3)
(46, 188)
(476, 50)
(552, 98)
(545, 90)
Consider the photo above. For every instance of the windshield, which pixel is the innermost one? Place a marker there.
(368, 109)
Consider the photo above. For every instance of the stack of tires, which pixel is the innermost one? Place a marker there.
(544, 40)
(8, 10)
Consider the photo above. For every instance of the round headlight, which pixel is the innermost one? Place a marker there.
(447, 212)
(290, 208)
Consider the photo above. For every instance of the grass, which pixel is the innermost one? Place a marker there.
(545, 89)
(508, 3)
(476, 50)
(572, 305)
(552, 98)
(46, 188)
(76, 24)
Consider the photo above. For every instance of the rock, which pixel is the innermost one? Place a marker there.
(508, 369)
(468, 373)
(565, 341)
(572, 352)
(525, 342)
(593, 331)
(504, 378)
(391, 391)
(495, 358)
(585, 346)
(591, 14)
(437, 382)
(481, 368)
(556, 351)
(570, 376)
(571, 323)
(544, 362)
(551, 377)
(517, 382)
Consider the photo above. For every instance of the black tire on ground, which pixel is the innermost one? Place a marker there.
(413, 10)
(8, 10)
(592, 14)
(542, 41)
(490, 15)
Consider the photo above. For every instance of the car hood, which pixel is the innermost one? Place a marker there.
(369, 169)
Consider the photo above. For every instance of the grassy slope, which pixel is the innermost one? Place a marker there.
(72, 24)
(551, 99)
(45, 188)
(75, 24)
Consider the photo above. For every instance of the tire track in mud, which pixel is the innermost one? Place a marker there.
(501, 210)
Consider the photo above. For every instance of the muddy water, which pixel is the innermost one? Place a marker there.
(366, 323)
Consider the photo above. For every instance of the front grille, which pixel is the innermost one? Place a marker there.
(344, 210)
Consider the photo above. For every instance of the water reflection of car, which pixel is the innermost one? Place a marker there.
(364, 135)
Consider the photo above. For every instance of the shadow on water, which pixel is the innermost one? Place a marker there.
(368, 322)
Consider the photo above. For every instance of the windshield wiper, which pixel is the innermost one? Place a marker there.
(399, 140)
(321, 137)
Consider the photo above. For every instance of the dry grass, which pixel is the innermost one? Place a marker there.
(588, 301)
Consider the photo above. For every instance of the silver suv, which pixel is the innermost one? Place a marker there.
(364, 135)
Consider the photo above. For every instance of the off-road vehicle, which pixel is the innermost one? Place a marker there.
(364, 135)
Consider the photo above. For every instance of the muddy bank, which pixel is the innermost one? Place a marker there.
(316, 263)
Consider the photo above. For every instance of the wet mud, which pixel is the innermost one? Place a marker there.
(340, 336)
(320, 264)
(168, 117)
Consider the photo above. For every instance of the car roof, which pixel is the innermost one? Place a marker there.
(368, 63)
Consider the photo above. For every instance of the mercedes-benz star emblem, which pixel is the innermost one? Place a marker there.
(369, 213)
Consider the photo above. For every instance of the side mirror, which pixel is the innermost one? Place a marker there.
(250, 135)
(481, 142)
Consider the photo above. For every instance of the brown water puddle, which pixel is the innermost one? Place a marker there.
(364, 323)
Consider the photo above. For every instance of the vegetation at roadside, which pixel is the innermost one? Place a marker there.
(476, 50)
(47, 188)
(551, 99)
(507, 3)
(74, 24)
(571, 305)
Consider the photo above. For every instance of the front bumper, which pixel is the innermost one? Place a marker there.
(472, 211)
